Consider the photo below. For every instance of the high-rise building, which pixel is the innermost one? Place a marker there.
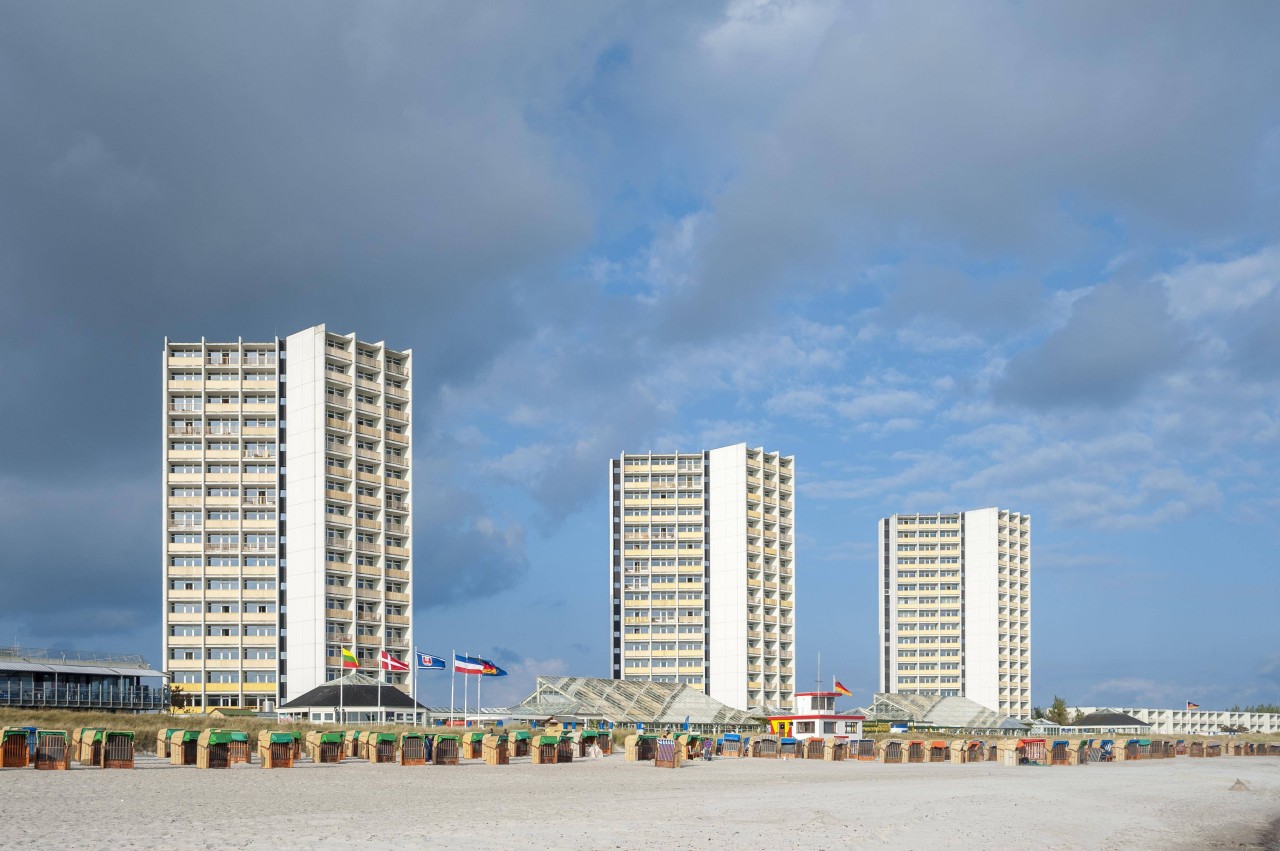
(955, 607)
(702, 572)
(286, 513)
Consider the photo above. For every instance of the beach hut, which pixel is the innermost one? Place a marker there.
(275, 749)
(765, 747)
(542, 749)
(520, 742)
(472, 745)
(213, 748)
(14, 752)
(835, 750)
(731, 745)
(117, 749)
(413, 749)
(53, 750)
(893, 751)
(87, 744)
(182, 747)
(162, 741)
(445, 751)
(497, 750)
(1032, 752)
(670, 754)
(915, 751)
(326, 747)
(938, 751)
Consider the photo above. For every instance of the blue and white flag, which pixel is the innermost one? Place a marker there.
(425, 661)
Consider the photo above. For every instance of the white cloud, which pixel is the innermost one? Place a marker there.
(1202, 289)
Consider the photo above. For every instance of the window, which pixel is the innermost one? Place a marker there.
(184, 608)
(184, 469)
(224, 631)
(259, 629)
(259, 584)
(224, 584)
(259, 676)
(224, 652)
(186, 676)
(188, 629)
(224, 608)
(184, 539)
(224, 676)
(259, 608)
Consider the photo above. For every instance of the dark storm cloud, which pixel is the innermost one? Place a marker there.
(1118, 338)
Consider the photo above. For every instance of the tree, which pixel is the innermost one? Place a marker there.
(1077, 717)
(1058, 711)
(177, 698)
(1036, 713)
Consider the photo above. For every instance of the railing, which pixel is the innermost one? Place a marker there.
(87, 697)
(395, 368)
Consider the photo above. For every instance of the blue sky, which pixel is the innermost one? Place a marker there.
(998, 254)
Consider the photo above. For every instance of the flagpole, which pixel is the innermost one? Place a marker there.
(453, 676)
(382, 675)
(342, 672)
(413, 687)
(464, 692)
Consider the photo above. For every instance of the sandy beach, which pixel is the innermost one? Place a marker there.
(609, 803)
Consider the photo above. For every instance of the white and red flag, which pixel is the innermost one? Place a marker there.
(391, 663)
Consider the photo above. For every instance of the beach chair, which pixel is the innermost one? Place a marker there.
(1213, 749)
(542, 749)
(352, 743)
(472, 745)
(864, 750)
(87, 744)
(813, 748)
(380, 748)
(413, 749)
(445, 751)
(765, 747)
(213, 749)
(604, 740)
(731, 745)
(893, 752)
(915, 751)
(497, 750)
(1058, 752)
(14, 752)
(1196, 749)
(670, 754)
(835, 750)
(297, 744)
(326, 747)
(520, 742)
(938, 751)
(163, 737)
(1032, 752)
(182, 747)
(117, 749)
(564, 748)
(53, 750)
(973, 750)
(275, 749)
(1180, 747)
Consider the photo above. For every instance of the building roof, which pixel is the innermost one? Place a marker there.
(356, 690)
(629, 702)
(1108, 719)
(44, 661)
(933, 711)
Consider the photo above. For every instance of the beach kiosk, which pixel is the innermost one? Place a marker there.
(542, 749)
(275, 749)
(117, 749)
(835, 750)
(14, 752)
(473, 745)
(497, 749)
(446, 749)
(413, 749)
(53, 750)
(213, 748)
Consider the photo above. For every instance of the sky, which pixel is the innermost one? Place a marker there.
(949, 256)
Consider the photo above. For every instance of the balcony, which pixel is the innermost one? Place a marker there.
(397, 551)
(365, 360)
(366, 547)
(368, 617)
(399, 416)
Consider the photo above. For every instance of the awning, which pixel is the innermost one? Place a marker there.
(101, 670)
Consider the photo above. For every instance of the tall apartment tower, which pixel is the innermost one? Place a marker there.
(286, 512)
(955, 607)
(702, 572)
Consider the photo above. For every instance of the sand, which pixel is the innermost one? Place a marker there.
(610, 803)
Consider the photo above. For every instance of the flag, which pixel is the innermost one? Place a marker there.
(349, 659)
(840, 689)
(467, 664)
(391, 663)
(425, 661)
(492, 670)
(1191, 706)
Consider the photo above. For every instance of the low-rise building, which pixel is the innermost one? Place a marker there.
(816, 716)
(1196, 722)
(34, 678)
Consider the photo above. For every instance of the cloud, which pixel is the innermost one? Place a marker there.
(1198, 289)
(1118, 338)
